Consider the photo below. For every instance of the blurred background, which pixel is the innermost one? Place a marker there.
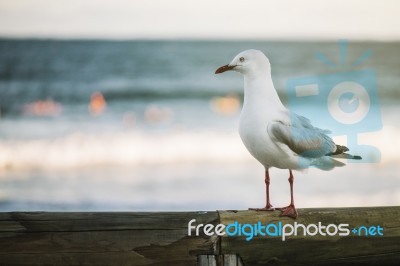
(115, 105)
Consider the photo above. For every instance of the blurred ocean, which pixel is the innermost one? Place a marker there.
(146, 125)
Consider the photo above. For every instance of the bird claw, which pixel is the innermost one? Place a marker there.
(289, 211)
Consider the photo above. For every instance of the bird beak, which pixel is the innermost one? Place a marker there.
(223, 69)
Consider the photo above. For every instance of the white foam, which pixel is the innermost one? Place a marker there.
(124, 148)
(137, 148)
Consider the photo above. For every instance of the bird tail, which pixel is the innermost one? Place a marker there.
(347, 156)
(326, 163)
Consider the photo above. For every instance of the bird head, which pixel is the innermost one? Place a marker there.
(249, 62)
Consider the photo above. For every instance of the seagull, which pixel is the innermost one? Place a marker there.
(274, 135)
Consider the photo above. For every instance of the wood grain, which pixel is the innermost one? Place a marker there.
(318, 250)
(161, 238)
(40, 238)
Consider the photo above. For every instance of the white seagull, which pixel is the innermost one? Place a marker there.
(275, 136)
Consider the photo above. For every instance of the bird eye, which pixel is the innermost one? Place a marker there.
(241, 59)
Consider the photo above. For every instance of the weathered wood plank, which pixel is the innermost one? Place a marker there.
(123, 238)
(103, 238)
(109, 221)
(232, 260)
(318, 250)
(219, 260)
(102, 258)
(207, 260)
(96, 241)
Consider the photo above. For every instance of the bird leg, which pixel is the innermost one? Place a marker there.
(290, 210)
(268, 206)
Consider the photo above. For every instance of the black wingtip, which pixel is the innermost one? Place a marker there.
(357, 157)
(341, 148)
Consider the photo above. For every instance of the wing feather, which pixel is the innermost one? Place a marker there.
(301, 137)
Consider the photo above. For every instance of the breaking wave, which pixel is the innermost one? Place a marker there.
(124, 148)
(138, 147)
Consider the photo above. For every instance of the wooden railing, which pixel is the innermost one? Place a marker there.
(162, 238)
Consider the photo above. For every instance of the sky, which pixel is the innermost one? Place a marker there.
(205, 19)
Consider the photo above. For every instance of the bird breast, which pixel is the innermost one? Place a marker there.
(252, 131)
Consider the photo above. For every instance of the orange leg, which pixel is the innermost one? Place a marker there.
(290, 210)
(268, 206)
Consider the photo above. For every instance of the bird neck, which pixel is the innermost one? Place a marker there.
(260, 93)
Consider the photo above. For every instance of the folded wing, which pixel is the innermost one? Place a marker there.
(301, 137)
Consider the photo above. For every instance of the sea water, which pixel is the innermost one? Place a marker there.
(161, 134)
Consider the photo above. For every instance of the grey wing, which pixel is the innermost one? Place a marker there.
(301, 137)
